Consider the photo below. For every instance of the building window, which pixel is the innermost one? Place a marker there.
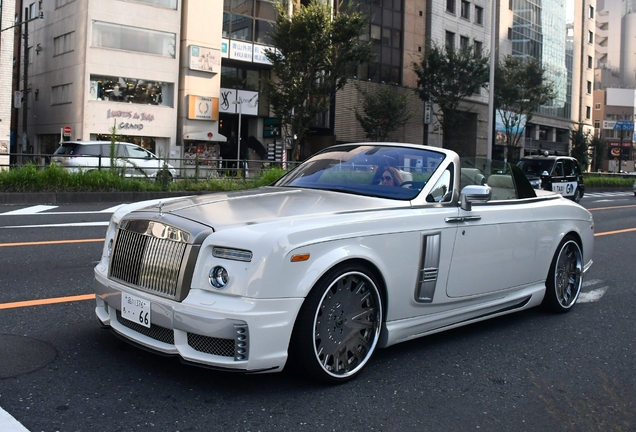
(450, 6)
(63, 44)
(60, 3)
(590, 62)
(463, 44)
(591, 12)
(589, 87)
(588, 112)
(590, 36)
(61, 94)
(172, 4)
(509, 33)
(130, 90)
(125, 38)
(450, 41)
(479, 15)
(597, 124)
(465, 12)
(597, 106)
(479, 48)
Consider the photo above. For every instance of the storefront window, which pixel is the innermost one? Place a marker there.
(116, 36)
(130, 90)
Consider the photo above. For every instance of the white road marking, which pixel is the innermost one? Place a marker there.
(10, 424)
(591, 282)
(592, 296)
(30, 210)
(62, 225)
(112, 209)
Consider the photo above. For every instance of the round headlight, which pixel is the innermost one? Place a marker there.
(219, 277)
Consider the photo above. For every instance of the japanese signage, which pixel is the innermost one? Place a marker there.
(241, 50)
(225, 48)
(259, 54)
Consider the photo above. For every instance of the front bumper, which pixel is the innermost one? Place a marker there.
(208, 329)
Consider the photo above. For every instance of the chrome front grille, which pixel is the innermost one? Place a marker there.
(150, 255)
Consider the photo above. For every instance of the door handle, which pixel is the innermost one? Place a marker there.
(462, 219)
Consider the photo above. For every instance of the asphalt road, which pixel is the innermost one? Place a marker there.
(530, 371)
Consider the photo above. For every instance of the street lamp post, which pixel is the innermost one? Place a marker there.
(491, 81)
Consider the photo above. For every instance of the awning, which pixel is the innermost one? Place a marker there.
(205, 136)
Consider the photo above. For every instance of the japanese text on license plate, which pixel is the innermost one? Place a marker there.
(135, 309)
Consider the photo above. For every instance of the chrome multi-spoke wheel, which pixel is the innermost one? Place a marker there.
(565, 278)
(339, 326)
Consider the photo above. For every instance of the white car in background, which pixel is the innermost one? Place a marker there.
(328, 264)
(136, 161)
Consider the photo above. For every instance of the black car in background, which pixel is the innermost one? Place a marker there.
(560, 174)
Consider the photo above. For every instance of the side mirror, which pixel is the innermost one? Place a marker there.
(474, 194)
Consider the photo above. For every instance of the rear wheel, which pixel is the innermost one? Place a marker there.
(338, 326)
(565, 277)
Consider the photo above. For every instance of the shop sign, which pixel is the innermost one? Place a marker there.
(259, 54)
(228, 102)
(609, 124)
(241, 51)
(204, 59)
(225, 48)
(203, 108)
(135, 118)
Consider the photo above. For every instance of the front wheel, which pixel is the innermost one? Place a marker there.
(338, 326)
(565, 277)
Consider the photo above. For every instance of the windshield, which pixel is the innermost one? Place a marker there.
(366, 169)
(536, 167)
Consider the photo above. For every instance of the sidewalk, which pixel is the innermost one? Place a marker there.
(86, 197)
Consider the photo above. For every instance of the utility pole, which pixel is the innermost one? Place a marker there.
(25, 77)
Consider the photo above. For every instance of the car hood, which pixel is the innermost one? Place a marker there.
(225, 209)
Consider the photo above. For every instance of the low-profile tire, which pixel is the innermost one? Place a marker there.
(338, 326)
(565, 277)
(577, 195)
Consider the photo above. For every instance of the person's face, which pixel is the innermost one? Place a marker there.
(387, 179)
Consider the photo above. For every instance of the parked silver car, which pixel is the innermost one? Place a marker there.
(136, 161)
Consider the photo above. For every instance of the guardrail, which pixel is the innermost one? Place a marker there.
(191, 168)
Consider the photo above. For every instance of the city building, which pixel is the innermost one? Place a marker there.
(560, 35)
(614, 114)
(183, 78)
(615, 44)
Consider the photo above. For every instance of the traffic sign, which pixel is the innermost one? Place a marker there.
(624, 125)
(67, 131)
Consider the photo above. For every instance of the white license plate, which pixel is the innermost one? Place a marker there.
(135, 309)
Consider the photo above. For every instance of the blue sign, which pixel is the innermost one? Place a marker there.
(624, 125)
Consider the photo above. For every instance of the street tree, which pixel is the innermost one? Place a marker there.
(445, 78)
(383, 111)
(598, 155)
(316, 50)
(581, 140)
(521, 87)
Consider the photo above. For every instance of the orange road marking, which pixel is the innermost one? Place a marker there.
(615, 232)
(51, 242)
(610, 208)
(46, 301)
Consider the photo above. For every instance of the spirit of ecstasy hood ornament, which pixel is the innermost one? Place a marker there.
(160, 207)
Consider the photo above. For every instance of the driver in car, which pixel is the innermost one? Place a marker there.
(391, 177)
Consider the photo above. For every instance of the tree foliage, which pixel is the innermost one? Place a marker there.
(445, 78)
(383, 111)
(315, 52)
(580, 142)
(598, 156)
(520, 88)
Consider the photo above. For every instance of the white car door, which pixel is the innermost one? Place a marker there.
(142, 161)
(494, 248)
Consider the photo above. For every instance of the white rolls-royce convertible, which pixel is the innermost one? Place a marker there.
(360, 247)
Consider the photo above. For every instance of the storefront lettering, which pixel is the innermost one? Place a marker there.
(130, 115)
(137, 126)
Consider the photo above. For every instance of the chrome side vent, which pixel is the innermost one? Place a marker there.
(429, 268)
